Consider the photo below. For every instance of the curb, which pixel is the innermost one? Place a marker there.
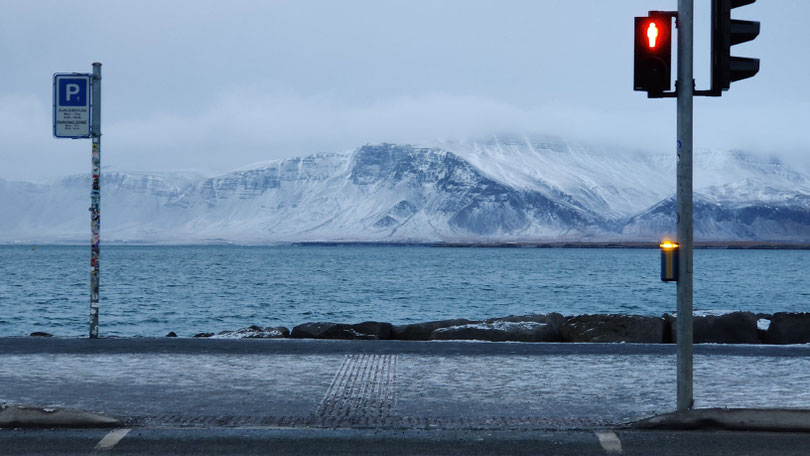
(779, 420)
(21, 416)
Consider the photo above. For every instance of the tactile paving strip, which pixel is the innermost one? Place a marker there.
(364, 389)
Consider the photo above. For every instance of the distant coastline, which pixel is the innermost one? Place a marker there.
(747, 245)
(722, 245)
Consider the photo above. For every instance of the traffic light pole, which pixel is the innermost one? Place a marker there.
(651, 74)
(685, 89)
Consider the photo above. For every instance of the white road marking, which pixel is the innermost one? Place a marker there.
(610, 441)
(111, 439)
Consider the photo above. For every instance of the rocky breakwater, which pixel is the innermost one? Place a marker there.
(718, 328)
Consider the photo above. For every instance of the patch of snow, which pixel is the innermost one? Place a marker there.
(708, 312)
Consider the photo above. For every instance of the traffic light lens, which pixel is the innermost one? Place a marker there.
(652, 34)
(652, 50)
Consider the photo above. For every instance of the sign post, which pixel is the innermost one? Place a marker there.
(77, 114)
(95, 201)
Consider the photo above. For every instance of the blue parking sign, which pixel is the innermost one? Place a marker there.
(71, 105)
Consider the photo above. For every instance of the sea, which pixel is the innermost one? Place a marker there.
(149, 291)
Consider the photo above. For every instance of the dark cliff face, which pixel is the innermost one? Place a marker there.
(713, 220)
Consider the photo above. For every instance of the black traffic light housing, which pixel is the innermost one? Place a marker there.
(727, 32)
(653, 53)
(652, 70)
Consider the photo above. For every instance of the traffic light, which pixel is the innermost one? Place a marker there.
(653, 53)
(727, 32)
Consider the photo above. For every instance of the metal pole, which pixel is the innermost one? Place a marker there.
(95, 200)
(685, 92)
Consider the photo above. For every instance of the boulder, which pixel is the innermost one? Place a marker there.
(730, 328)
(422, 331)
(369, 330)
(552, 318)
(528, 328)
(311, 330)
(40, 334)
(366, 330)
(613, 328)
(253, 332)
(788, 328)
(171, 334)
(203, 335)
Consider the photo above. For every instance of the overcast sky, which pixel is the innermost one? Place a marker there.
(216, 85)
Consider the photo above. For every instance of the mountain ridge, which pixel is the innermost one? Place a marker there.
(498, 190)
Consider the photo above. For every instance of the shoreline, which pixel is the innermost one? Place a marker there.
(702, 245)
(732, 245)
(735, 327)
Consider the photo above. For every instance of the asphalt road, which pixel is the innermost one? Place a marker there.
(388, 443)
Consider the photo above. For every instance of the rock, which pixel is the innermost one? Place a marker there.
(764, 316)
(730, 328)
(253, 332)
(311, 330)
(281, 330)
(528, 328)
(789, 328)
(553, 318)
(171, 334)
(613, 328)
(371, 330)
(364, 330)
(40, 334)
(422, 331)
(203, 335)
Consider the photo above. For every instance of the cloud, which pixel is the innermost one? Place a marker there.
(28, 150)
(249, 124)
(245, 126)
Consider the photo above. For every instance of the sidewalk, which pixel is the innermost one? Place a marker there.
(391, 384)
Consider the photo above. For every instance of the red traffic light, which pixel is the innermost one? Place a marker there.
(654, 34)
(653, 53)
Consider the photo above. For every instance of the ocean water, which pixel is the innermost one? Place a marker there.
(151, 290)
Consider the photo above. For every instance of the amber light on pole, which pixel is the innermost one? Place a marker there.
(669, 261)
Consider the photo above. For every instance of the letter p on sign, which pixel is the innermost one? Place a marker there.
(72, 92)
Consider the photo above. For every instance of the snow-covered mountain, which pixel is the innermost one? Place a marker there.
(613, 183)
(499, 189)
(375, 193)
